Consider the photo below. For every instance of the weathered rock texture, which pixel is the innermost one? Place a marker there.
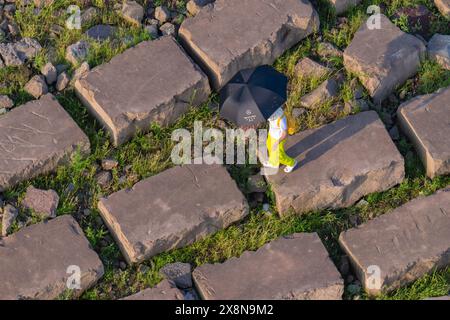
(36, 261)
(230, 35)
(383, 58)
(439, 49)
(295, 267)
(163, 291)
(343, 5)
(404, 244)
(35, 138)
(172, 209)
(152, 82)
(426, 121)
(338, 164)
(307, 68)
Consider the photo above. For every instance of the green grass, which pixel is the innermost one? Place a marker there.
(149, 154)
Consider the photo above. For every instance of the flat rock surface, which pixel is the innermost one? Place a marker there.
(404, 244)
(172, 209)
(35, 138)
(426, 121)
(230, 35)
(36, 261)
(163, 291)
(383, 58)
(339, 163)
(154, 81)
(295, 267)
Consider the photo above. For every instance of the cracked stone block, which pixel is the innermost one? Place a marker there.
(229, 35)
(295, 267)
(154, 81)
(399, 247)
(37, 261)
(383, 58)
(425, 120)
(341, 6)
(443, 6)
(172, 209)
(339, 163)
(163, 291)
(35, 139)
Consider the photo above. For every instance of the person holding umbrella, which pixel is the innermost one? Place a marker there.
(254, 96)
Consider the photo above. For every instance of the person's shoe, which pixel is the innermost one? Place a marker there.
(268, 165)
(289, 169)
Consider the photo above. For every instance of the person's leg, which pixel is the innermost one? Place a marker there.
(284, 158)
(274, 155)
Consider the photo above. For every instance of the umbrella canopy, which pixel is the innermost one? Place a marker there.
(253, 95)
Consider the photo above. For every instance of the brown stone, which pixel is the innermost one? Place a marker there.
(152, 82)
(383, 58)
(295, 267)
(35, 139)
(163, 291)
(443, 6)
(172, 209)
(307, 68)
(230, 35)
(339, 163)
(36, 261)
(425, 120)
(402, 245)
(341, 6)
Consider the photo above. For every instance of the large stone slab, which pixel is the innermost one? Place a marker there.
(401, 246)
(172, 209)
(163, 291)
(383, 58)
(295, 267)
(340, 6)
(230, 35)
(35, 138)
(426, 121)
(39, 261)
(339, 163)
(153, 82)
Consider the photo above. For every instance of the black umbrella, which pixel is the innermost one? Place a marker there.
(253, 95)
